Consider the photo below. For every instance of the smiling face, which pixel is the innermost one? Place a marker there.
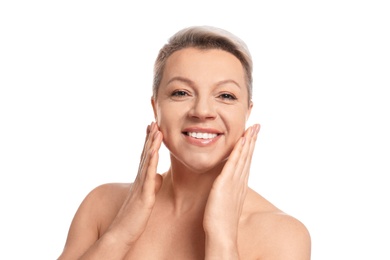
(202, 106)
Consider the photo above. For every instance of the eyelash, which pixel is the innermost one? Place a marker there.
(223, 96)
(179, 93)
(227, 96)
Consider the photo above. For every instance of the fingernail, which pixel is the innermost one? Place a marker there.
(243, 140)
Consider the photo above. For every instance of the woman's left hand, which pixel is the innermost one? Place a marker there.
(227, 196)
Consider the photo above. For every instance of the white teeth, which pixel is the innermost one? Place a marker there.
(202, 135)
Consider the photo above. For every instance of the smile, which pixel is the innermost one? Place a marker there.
(198, 135)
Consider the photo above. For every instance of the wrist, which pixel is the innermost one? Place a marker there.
(112, 240)
(107, 247)
(221, 247)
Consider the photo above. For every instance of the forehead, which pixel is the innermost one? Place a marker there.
(200, 64)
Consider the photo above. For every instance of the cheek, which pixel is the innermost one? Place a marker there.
(237, 126)
(235, 118)
(160, 115)
(166, 118)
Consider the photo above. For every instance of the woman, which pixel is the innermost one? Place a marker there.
(202, 207)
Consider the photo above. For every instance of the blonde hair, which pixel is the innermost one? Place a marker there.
(204, 37)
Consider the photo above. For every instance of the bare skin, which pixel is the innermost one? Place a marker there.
(202, 207)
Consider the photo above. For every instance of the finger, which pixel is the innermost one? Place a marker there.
(140, 178)
(234, 157)
(149, 131)
(146, 138)
(147, 145)
(249, 156)
(243, 156)
(150, 178)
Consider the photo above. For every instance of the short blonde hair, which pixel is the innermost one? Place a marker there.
(204, 37)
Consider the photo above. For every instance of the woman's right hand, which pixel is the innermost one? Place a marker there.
(133, 216)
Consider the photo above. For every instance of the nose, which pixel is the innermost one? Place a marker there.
(203, 108)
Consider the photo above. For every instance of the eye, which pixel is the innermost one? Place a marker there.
(227, 96)
(178, 94)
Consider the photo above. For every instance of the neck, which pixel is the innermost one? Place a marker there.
(187, 188)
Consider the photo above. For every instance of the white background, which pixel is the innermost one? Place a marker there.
(76, 77)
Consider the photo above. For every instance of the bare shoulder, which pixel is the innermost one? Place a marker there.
(103, 203)
(103, 198)
(111, 193)
(106, 196)
(93, 217)
(273, 233)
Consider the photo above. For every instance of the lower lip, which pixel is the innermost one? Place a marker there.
(201, 142)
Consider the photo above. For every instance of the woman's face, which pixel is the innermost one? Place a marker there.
(202, 106)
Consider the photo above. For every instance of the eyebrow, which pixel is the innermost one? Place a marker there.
(181, 79)
(229, 81)
(191, 83)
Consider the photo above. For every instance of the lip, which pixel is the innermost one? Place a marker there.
(201, 130)
(201, 142)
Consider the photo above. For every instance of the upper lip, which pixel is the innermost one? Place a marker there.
(198, 129)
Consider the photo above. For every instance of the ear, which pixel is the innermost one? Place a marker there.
(153, 102)
(249, 110)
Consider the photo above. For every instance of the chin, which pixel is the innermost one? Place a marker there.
(201, 165)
